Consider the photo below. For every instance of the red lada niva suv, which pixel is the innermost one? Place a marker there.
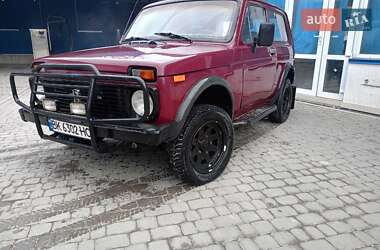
(183, 74)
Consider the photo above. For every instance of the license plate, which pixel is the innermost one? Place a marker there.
(69, 128)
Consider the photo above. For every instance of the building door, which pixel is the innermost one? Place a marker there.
(334, 60)
(101, 22)
(308, 47)
(60, 22)
(320, 55)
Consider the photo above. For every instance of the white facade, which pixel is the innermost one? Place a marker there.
(341, 65)
(363, 84)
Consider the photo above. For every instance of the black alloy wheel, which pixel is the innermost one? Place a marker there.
(206, 147)
(203, 149)
(284, 104)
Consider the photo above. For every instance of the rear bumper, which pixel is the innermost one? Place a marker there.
(142, 133)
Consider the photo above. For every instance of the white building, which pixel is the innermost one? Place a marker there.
(339, 65)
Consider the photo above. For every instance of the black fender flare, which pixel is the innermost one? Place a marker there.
(192, 96)
(288, 68)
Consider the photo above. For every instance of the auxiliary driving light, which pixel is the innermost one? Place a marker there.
(138, 103)
(40, 97)
(78, 108)
(49, 105)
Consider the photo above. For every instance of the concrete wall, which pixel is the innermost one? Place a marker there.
(363, 84)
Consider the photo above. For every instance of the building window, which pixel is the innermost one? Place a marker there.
(278, 3)
(280, 34)
(305, 42)
(370, 42)
(254, 17)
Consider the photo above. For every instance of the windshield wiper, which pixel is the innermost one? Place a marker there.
(173, 36)
(135, 38)
(138, 39)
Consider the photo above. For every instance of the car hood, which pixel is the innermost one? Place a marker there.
(168, 59)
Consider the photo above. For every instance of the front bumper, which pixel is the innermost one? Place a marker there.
(137, 130)
(140, 133)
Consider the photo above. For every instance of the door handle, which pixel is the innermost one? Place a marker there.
(272, 51)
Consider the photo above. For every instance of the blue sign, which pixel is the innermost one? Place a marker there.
(356, 19)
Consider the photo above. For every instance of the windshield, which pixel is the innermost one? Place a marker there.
(197, 20)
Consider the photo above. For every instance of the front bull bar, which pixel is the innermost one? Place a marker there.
(92, 76)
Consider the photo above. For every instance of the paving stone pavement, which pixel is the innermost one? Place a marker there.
(311, 183)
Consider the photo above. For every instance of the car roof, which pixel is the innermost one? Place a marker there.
(179, 1)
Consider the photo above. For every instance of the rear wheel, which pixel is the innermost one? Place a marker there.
(284, 104)
(202, 150)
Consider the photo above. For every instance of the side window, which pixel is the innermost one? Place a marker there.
(278, 20)
(254, 17)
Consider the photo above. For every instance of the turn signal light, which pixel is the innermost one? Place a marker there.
(148, 75)
(179, 78)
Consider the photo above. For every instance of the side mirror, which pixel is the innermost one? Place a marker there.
(265, 37)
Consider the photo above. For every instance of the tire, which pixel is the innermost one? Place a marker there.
(203, 149)
(284, 104)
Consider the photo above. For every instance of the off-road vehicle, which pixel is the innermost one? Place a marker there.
(183, 74)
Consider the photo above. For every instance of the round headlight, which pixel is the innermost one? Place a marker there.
(138, 103)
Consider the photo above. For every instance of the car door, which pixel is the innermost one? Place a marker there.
(280, 43)
(259, 65)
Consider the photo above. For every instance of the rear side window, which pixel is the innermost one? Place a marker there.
(280, 34)
(254, 17)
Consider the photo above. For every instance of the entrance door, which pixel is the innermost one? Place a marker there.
(320, 55)
(333, 59)
(59, 17)
(308, 47)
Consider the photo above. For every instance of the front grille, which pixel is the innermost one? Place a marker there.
(109, 101)
(112, 101)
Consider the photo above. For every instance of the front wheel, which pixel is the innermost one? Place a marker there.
(203, 149)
